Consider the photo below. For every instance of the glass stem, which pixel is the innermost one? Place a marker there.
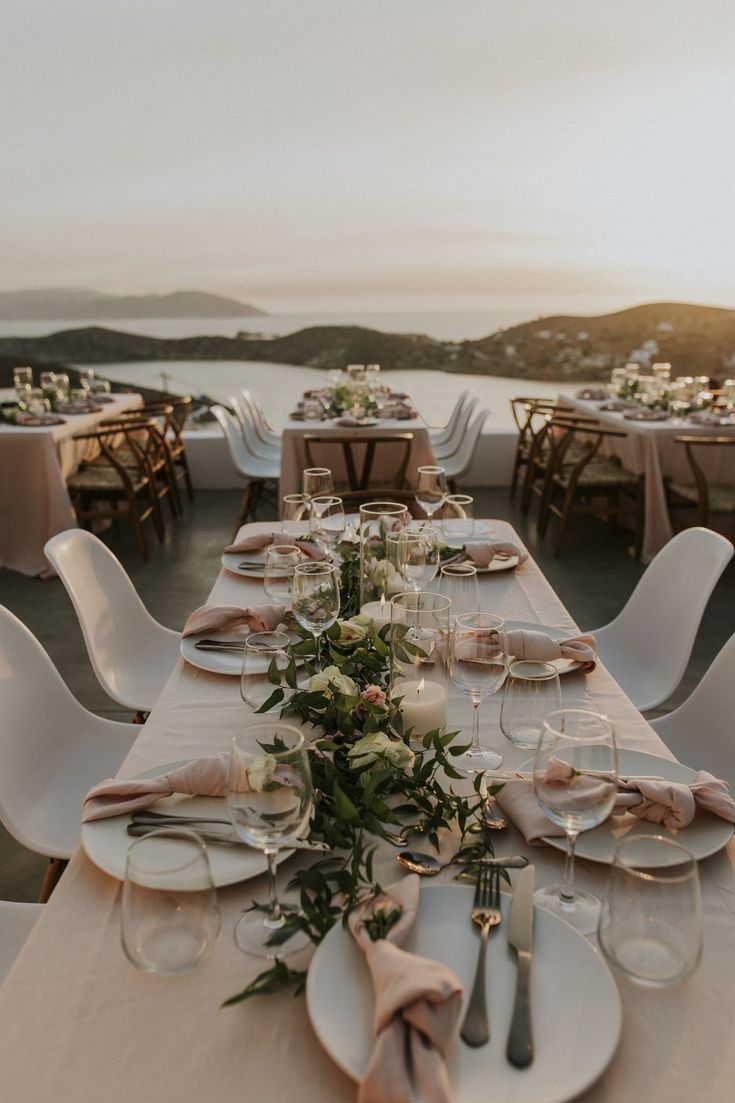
(274, 919)
(475, 726)
(567, 892)
(318, 651)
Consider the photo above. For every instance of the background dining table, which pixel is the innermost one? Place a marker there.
(79, 1023)
(35, 462)
(648, 449)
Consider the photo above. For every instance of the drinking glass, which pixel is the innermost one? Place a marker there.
(458, 518)
(431, 489)
(458, 582)
(22, 377)
(86, 378)
(575, 773)
(315, 598)
(169, 915)
(378, 574)
(478, 662)
(317, 480)
(280, 563)
(532, 690)
(651, 916)
(63, 385)
(327, 520)
(269, 800)
(295, 510)
(418, 656)
(23, 395)
(36, 402)
(47, 381)
(415, 554)
(262, 650)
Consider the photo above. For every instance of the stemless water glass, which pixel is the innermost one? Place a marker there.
(431, 489)
(575, 773)
(86, 378)
(458, 518)
(458, 582)
(264, 652)
(651, 916)
(269, 800)
(295, 510)
(478, 666)
(327, 520)
(63, 385)
(22, 377)
(315, 598)
(317, 480)
(416, 555)
(169, 914)
(532, 690)
(281, 561)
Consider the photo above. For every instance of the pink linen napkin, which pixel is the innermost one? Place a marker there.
(592, 394)
(483, 553)
(204, 777)
(348, 422)
(417, 1006)
(526, 644)
(265, 540)
(228, 618)
(706, 417)
(672, 804)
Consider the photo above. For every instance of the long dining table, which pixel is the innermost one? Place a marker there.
(79, 1023)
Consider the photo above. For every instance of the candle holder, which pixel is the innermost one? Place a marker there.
(419, 637)
(377, 574)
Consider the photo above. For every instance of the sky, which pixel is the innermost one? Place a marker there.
(313, 155)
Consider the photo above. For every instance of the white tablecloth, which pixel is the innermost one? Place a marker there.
(35, 464)
(78, 1023)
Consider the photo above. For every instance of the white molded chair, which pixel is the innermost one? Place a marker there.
(253, 443)
(52, 749)
(258, 472)
(459, 464)
(454, 443)
(442, 433)
(701, 731)
(265, 433)
(132, 654)
(16, 923)
(647, 646)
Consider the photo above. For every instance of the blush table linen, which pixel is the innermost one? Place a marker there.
(78, 1022)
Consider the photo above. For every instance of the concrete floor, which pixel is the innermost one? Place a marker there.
(593, 577)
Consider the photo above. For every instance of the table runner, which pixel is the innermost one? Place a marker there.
(79, 1023)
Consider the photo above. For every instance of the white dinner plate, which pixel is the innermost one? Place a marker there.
(563, 666)
(218, 662)
(576, 1007)
(106, 842)
(231, 562)
(705, 835)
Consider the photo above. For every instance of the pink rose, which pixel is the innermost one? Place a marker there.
(374, 695)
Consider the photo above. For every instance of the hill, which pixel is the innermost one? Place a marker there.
(56, 304)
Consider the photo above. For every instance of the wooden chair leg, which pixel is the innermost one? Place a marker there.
(566, 511)
(138, 530)
(184, 463)
(54, 869)
(244, 508)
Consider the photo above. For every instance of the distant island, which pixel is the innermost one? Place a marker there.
(58, 304)
(697, 340)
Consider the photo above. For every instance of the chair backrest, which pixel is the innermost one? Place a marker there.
(125, 644)
(448, 429)
(395, 449)
(259, 419)
(647, 646)
(450, 445)
(235, 440)
(245, 418)
(461, 460)
(700, 731)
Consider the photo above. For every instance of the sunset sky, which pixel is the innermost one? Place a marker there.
(378, 155)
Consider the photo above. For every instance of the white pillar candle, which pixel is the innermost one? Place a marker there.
(378, 611)
(424, 705)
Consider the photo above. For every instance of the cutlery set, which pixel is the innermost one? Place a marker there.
(221, 831)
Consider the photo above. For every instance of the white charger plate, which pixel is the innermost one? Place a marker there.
(221, 662)
(231, 562)
(577, 1014)
(106, 842)
(705, 835)
(563, 666)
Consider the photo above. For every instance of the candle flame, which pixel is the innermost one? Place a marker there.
(420, 687)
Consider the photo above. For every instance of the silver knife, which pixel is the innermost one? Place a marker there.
(520, 936)
(220, 645)
(228, 838)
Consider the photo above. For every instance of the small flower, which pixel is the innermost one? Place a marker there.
(350, 633)
(374, 695)
(260, 772)
(331, 681)
(379, 746)
(556, 770)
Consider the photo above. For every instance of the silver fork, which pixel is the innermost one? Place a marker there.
(486, 914)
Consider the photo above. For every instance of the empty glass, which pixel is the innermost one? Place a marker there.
(317, 480)
(86, 378)
(327, 523)
(22, 377)
(295, 510)
(63, 385)
(281, 561)
(265, 653)
(575, 774)
(458, 582)
(651, 917)
(458, 518)
(478, 666)
(532, 690)
(169, 913)
(269, 800)
(431, 489)
(415, 553)
(315, 597)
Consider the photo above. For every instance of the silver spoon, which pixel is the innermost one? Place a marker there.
(428, 866)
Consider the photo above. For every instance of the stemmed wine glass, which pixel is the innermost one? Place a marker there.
(281, 561)
(327, 520)
(295, 509)
(431, 489)
(269, 800)
(262, 651)
(478, 666)
(317, 480)
(315, 596)
(575, 773)
(416, 554)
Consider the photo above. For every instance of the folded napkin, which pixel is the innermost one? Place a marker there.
(265, 540)
(618, 406)
(526, 644)
(417, 1006)
(204, 777)
(646, 415)
(706, 417)
(228, 618)
(592, 394)
(80, 407)
(483, 553)
(672, 804)
(30, 420)
(349, 422)
(400, 410)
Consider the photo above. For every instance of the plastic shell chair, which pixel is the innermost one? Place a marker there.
(132, 654)
(442, 434)
(647, 646)
(460, 463)
(700, 732)
(257, 471)
(449, 449)
(52, 749)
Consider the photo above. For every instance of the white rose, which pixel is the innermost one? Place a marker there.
(330, 679)
(361, 621)
(379, 745)
(350, 633)
(260, 772)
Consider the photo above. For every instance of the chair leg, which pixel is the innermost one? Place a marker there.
(564, 520)
(138, 530)
(244, 508)
(187, 475)
(54, 869)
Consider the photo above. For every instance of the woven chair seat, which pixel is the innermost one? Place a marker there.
(721, 499)
(99, 477)
(602, 473)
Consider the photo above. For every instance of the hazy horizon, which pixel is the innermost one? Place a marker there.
(321, 158)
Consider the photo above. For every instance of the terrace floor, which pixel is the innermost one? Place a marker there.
(594, 578)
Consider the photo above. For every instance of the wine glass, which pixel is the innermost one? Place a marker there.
(317, 480)
(431, 489)
(86, 378)
(262, 650)
(327, 520)
(575, 773)
(63, 385)
(22, 377)
(458, 582)
(280, 563)
(315, 597)
(269, 800)
(458, 518)
(295, 510)
(478, 667)
(416, 555)
(169, 914)
(532, 690)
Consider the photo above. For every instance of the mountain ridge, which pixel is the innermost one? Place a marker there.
(77, 304)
